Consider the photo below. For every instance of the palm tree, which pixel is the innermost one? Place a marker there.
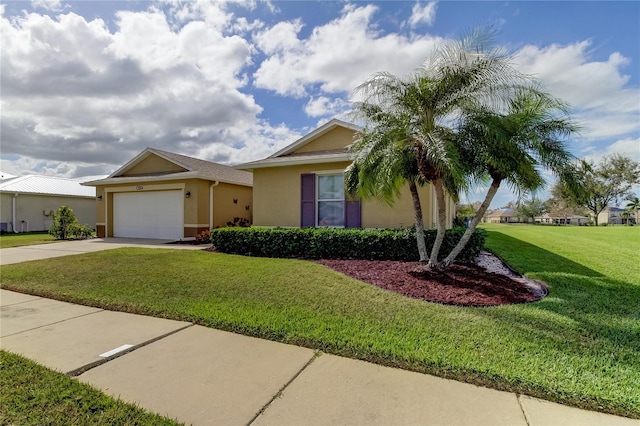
(633, 205)
(512, 147)
(460, 75)
(383, 163)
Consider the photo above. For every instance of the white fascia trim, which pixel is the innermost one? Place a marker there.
(183, 176)
(89, 197)
(133, 179)
(292, 162)
(329, 172)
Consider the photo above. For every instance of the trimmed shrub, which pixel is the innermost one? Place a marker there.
(333, 243)
(65, 226)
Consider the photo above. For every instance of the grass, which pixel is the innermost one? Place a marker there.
(34, 395)
(25, 239)
(579, 346)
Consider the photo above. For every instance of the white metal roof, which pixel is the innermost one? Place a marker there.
(46, 185)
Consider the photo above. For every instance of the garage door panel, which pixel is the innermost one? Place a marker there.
(152, 214)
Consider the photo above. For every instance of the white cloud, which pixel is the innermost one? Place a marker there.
(629, 147)
(52, 5)
(597, 90)
(337, 56)
(323, 106)
(422, 14)
(88, 99)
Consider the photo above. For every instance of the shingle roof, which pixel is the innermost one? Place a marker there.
(46, 185)
(302, 158)
(195, 169)
(214, 170)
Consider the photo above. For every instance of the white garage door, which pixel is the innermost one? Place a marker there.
(153, 214)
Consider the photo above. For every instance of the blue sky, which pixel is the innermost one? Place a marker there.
(88, 85)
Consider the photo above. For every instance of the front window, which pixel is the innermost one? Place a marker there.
(330, 201)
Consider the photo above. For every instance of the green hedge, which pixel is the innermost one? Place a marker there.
(332, 243)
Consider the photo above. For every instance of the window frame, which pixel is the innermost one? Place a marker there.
(343, 200)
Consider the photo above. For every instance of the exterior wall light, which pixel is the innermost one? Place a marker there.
(99, 198)
(188, 194)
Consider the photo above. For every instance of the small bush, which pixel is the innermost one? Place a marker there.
(65, 226)
(204, 237)
(332, 243)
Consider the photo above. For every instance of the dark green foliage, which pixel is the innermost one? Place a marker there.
(65, 226)
(63, 221)
(332, 243)
(240, 221)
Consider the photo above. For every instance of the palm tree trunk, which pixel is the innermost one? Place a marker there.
(441, 223)
(472, 225)
(417, 211)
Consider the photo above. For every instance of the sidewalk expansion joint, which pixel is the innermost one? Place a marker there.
(278, 394)
(92, 365)
(524, 413)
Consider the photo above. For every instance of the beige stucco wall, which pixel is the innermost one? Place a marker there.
(36, 209)
(196, 207)
(337, 138)
(153, 164)
(276, 197)
(231, 201)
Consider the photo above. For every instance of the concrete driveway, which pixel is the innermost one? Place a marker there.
(67, 248)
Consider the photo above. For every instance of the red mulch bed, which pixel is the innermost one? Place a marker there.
(464, 285)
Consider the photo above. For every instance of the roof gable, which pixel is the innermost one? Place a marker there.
(154, 164)
(314, 148)
(299, 145)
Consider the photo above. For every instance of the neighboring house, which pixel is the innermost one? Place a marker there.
(159, 194)
(302, 185)
(502, 216)
(562, 220)
(614, 216)
(27, 203)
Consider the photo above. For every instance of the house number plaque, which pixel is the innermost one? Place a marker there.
(139, 187)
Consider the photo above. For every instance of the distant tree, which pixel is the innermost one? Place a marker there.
(510, 205)
(530, 209)
(562, 203)
(634, 204)
(464, 211)
(632, 207)
(604, 183)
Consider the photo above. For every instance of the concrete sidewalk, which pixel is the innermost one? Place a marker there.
(204, 376)
(67, 248)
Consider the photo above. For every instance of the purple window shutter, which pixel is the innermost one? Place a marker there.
(308, 200)
(352, 214)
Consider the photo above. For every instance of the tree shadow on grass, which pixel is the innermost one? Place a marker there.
(527, 258)
(587, 315)
(598, 313)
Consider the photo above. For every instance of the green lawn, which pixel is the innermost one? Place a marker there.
(580, 345)
(34, 395)
(25, 239)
